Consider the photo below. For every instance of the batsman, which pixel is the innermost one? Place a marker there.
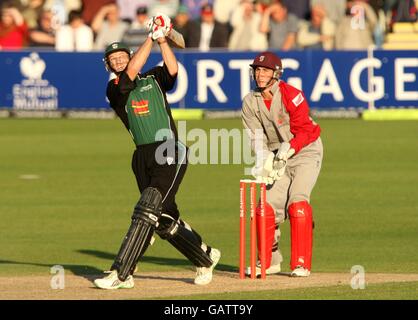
(159, 161)
(289, 154)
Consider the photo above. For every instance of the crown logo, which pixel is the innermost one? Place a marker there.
(32, 67)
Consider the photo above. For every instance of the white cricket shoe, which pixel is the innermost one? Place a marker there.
(300, 272)
(273, 269)
(203, 274)
(112, 282)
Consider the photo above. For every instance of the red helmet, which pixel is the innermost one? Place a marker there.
(269, 60)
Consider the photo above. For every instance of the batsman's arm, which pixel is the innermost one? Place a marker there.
(139, 59)
(169, 58)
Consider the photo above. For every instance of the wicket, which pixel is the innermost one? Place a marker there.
(253, 228)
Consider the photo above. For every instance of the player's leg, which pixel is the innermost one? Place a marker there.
(188, 242)
(144, 221)
(175, 230)
(300, 214)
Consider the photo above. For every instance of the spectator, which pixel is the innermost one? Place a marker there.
(138, 31)
(300, 8)
(168, 7)
(44, 34)
(388, 5)
(208, 33)
(91, 7)
(13, 28)
(246, 34)
(381, 25)
(281, 26)
(318, 33)
(194, 6)
(128, 9)
(31, 11)
(335, 8)
(108, 26)
(403, 11)
(61, 9)
(74, 36)
(355, 31)
(223, 9)
(183, 23)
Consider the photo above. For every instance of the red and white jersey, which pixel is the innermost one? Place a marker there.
(283, 119)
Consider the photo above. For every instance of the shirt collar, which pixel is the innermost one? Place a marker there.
(274, 89)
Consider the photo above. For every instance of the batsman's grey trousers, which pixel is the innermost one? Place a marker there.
(298, 181)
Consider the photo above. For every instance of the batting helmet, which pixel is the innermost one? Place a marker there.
(117, 46)
(114, 47)
(269, 60)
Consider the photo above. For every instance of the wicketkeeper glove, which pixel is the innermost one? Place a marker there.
(280, 160)
(263, 172)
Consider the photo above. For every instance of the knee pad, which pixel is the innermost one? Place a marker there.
(270, 230)
(184, 239)
(167, 227)
(143, 223)
(301, 234)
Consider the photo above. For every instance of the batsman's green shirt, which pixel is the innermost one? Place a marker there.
(142, 105)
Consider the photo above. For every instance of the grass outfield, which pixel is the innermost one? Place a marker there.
(387, 291)
(67, 194)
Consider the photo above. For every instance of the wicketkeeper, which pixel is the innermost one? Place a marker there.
(289, 157)
(159, 160)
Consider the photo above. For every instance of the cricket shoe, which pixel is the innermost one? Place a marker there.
(112, 282)
(273, 269)
(203, 274)
(300, 271)
(110, 271)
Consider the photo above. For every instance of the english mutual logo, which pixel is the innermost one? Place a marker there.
(140, 107)
(34, 93)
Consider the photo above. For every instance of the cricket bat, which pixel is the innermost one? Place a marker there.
(176, 39)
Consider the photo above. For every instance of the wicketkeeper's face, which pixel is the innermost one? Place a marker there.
(263, 76)
(118, 60)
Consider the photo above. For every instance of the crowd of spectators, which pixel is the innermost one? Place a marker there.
(90, 25)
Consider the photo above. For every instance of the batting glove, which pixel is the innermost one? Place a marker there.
(163, 21)
(159, 33)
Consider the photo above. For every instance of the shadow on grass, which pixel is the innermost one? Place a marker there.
(154, 260)
(87, 271)
(77, 269)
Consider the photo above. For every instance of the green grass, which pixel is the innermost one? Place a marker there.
(387, 291)
(76, 214)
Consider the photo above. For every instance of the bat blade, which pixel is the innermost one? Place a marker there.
(176, 39)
